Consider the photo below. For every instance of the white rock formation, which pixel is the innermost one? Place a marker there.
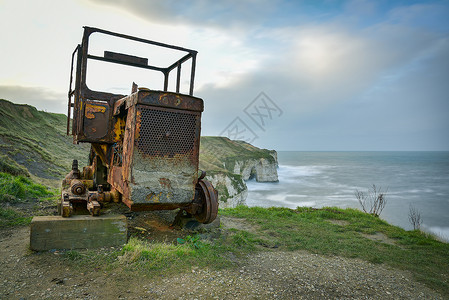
(232, 189)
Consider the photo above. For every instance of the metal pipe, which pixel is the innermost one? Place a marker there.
(178, 78)
(192, 74)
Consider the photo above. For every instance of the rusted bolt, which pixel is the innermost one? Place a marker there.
(77, 187)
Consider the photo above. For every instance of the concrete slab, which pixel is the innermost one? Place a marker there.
(78, 231)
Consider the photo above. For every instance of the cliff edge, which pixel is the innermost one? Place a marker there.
(229, 164)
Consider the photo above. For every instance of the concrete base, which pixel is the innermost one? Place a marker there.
(78, 231)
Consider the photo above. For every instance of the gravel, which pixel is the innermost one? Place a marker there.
(261, 275)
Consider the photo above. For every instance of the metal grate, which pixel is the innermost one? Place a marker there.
(166, 133)
(118, 154)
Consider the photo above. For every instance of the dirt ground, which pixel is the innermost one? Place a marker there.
(25, 274)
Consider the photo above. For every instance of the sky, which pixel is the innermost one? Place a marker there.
(304, 75)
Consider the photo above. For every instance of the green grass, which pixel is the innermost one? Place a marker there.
(283, 229)
(310, 229)
(177, 256)
(20, 189)
(7, 165)
(151, 258)
(9, 217)
(36, 138)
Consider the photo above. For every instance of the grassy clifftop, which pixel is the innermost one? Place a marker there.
(219, 154)
(34, 142)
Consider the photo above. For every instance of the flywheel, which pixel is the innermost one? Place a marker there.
(208, 197)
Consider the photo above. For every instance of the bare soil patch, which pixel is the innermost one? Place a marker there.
(380, 237)
(262, 275)
(338, 222)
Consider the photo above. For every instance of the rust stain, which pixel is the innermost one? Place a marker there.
(163, 99)
(153, 197)
(165, 182)
(91, 109)
(137, 124)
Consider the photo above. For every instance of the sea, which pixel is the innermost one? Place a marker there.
(318, 179)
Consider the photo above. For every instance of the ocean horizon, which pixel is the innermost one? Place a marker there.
(330, 178)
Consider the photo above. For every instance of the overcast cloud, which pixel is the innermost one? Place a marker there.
(347, 75)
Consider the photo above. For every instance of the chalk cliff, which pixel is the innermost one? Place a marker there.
(230, 163)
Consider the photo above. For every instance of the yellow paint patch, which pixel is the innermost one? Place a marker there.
(119, 129)
(154, 198)
(91, 109)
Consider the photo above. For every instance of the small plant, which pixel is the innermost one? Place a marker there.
(194, 241)
(414, 216)
(373, 201)
(10, 217)
(19, 188)
(73, 255)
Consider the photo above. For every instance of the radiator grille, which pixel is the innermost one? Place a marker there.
(166, 133)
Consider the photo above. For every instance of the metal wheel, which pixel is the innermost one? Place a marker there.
(209, 202)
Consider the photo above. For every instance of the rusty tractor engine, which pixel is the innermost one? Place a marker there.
(144, 146)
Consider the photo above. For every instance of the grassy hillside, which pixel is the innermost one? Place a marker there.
(35, 143)
(220, 154)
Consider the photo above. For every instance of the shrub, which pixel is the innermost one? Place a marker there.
(373, 201)
(414, 216)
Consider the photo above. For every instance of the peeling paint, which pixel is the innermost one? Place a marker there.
(91, 109)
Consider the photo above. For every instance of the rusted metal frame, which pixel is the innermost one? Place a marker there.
(82, 87)
(70, 93)
(128, 149)
(178, 77)
(190, 103)
(102, 96)
(77, 93)
(71, 69)
(118, 106)
(192, 74)
(169, 109)
(126, 58)
(166, 74)
(137, 39)
(101, 153)
(191, 54)
(178, 63)
(181, 60)
(121, 62)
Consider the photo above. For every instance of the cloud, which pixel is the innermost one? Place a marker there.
(329, 65)
(40, 97)
(329, 78)
(229, 13)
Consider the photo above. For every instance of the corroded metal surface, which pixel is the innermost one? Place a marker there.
(208, 197)
(166, 133)
(144, 146)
